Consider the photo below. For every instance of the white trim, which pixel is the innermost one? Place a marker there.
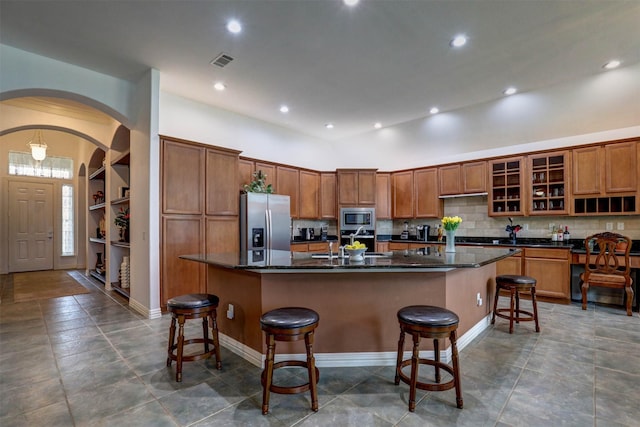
(140, 308)
(340, 360)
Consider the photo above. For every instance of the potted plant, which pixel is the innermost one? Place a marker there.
(122, 222)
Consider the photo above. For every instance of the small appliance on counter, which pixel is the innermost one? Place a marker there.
(323, 232)
(422, 232)
(405, 233)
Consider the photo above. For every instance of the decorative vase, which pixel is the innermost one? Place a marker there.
(124, 234)
(99, 264)
(125, 273)
(451, 241)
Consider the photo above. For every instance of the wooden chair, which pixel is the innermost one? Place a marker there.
(607, 265)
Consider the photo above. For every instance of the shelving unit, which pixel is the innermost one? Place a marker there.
(97, 212)
(120, 197)
(549, 192)
(605, 205)
(506, 191)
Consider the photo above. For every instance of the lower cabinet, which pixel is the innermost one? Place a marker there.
(511, 265)
(395, 246)
(322, 247)
(552, 270)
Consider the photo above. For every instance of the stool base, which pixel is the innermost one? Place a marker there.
(514, 312)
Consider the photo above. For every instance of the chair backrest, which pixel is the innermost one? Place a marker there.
(611, 252)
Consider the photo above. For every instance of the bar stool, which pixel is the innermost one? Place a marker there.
(428, 322)
(289, 324)
(515, 284)
(192, 306)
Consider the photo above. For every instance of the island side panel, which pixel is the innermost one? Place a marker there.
(357, 310)
(463, 286)
(243, 290)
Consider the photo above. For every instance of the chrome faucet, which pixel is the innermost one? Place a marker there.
(353, 235)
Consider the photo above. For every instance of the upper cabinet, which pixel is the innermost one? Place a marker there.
(506, 191)
(328, 202)
(287, 183)
(427, 203)
(309, 194)
(246, 168)
(183, 188)
(402, 194)
(383, 196)
(548, 183)
(356, 187)
(465, 178)
(221, 191)
(605, 179)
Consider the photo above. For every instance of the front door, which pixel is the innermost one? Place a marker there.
(30, 226)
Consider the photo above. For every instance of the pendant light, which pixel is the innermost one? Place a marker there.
(38, 147)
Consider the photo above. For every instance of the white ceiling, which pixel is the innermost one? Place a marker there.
(387, 61)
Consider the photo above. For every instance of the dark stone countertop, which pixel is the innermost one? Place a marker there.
(430, 258)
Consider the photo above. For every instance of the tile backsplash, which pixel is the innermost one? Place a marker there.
(477, 223)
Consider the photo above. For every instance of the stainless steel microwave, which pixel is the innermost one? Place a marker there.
(353, 218)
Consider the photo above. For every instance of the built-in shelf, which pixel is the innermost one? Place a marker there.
(120, 201)
(120, 244)
(122, 291)
(98, 174)
(97, 206)
(97, 276)
(97, 240)
(605, 205)
(122, 159)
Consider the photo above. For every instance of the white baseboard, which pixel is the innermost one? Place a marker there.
(140, 308)
(340, 360)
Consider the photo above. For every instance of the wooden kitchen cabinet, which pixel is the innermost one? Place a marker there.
(270, 170)
(402, 194)
(425, 195)
(246, 168)
(321, 247)
(288, 184)
(328, 202)
(383, 246)
(465, 178)
(605, 179)
(309, 194)
(383, 196)
(221, 234)
(397, 246)
(506, 189)
(548, 183)
(356, 187)
(221, 197)
(511, 265)
(183, 188)
(552, 270)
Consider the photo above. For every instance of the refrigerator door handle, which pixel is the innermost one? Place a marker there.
(269, 228)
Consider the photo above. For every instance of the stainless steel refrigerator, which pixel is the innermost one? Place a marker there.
(265, 222)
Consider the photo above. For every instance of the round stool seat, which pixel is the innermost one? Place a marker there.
(193, 301)
(426, 315)
(289, 318)
(513, 279)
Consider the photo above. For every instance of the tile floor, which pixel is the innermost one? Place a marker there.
(88, 360)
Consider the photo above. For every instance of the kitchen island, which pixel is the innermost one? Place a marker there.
(357, 301)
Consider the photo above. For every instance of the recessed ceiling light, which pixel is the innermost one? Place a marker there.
(234, 26)
(377, 125)
(329, 125)
(614, 63)
(351, 3)
(284, 109)
(459, 40)
(434, 110)
(510, 91)
(219, 86)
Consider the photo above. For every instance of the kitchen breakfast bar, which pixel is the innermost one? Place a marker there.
(357, 301)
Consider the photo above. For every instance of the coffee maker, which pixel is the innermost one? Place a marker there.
(422, 232)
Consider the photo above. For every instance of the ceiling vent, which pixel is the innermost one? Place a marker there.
(221, 60)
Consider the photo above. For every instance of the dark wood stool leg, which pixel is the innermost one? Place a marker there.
(511, 309)
(456, 368)
(180, 348)
(436, 356)
(400, 351)
(205, 333)
(535, 308)
(414, 371)
(172, 337)
(311, 368)
(517, 317)
(268, 372)
(495, 305)
(214, 336)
